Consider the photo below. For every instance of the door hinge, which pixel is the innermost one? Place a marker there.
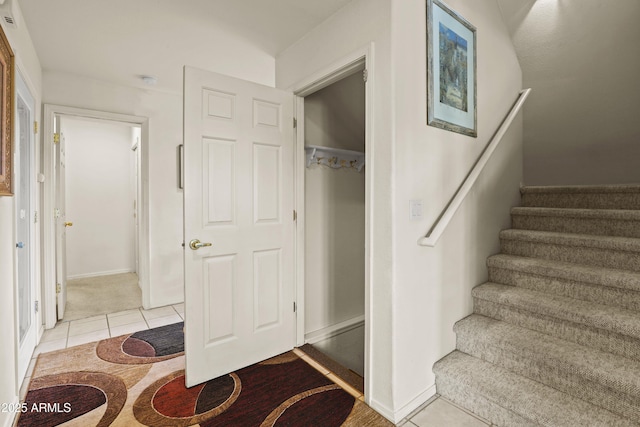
(56, 138)
(58, 288)
(295, 123)
(35, 217)
(36, 306)
(35, 126)
(295, 216)
(365, 75)
(294, 307)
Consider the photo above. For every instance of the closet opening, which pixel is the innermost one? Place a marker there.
(334, 225)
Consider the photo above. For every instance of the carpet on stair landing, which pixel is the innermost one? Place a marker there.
(138, 380)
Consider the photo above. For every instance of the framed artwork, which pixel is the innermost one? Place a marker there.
(451, 70)
(6, 115)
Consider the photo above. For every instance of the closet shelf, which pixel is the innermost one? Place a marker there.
(334, 157)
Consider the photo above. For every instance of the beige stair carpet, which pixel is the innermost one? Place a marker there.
(554, 338)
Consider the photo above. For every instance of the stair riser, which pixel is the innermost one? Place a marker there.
(582, 200)
(600, 339)
(593, 226)
(564, 378)
(577, 254)
(616, 297)
(461, 394)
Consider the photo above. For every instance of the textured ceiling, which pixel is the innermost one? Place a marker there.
(118, 40)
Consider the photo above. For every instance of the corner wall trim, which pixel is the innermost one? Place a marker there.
(451, 208)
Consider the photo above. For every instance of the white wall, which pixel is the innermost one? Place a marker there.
(356, 26)
(334, 208)
(99, 197)
(28, 63)
(581, 59)
(432, 286)
(164, 110)
(418, 293)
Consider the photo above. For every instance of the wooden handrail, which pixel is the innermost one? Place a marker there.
(450, 209)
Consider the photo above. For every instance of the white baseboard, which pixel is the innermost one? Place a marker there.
(333, 330)
(407, 410)
(382, 410)
(415, 403)
(100, 273)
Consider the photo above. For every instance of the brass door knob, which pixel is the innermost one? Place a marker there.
(68, 224)
(196, 244)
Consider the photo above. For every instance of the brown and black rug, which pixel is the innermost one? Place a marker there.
(138, 380)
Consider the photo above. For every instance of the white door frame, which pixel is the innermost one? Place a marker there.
(23, 87)
(357, 60)
(48, 239)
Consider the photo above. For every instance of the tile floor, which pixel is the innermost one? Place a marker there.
(439, 412)
(435, 413)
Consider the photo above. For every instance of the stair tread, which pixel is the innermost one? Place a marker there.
(566, 315)
(611, 214)
(573, 189)
(590, 364)
(569, 309)
(530, 399)
(612, 277)
(627, 244)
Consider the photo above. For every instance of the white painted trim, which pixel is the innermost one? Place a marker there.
(333, 330)
(299, 264)
(32, 246)
(369, 171)
(338, 70)
(408, 409)
(443, 220)
(48, 238)
(382, 410)
(100, 273)
(362, 58)
(48, 224)
(415, 403)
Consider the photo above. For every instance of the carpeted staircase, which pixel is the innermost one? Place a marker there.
(554, 339)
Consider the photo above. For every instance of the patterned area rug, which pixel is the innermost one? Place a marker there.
(138, 380)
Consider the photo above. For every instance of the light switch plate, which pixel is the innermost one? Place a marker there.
(415, 209)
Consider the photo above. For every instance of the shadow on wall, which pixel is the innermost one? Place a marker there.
(514, 12)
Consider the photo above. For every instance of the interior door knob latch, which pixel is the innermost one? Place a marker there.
(196, 244)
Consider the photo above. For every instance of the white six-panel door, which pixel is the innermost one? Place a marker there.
(238, 196)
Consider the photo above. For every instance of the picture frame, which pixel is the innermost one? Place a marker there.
(7, 78)
(451, 70)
